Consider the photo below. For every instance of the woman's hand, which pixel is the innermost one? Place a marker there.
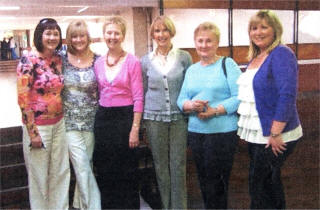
(277, 145)
(134, 137)
(209, 112)
(195, 106)
(36, 142)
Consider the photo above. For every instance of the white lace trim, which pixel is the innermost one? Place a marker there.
(249, 123)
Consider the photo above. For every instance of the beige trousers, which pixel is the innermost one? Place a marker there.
(86, 194)
(48, 168)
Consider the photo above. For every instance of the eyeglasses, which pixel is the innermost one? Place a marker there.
(47, 20)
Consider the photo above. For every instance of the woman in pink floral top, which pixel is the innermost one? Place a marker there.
(40, 81)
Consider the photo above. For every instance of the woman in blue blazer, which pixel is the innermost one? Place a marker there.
(269, 119)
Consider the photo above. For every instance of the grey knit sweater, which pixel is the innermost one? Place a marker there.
(161, 90)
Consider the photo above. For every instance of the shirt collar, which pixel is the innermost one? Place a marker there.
(171, 53)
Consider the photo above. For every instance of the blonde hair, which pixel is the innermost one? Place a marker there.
(118, 21)
(166, 21)
(207, 26)
(274, 22)
(76, 27)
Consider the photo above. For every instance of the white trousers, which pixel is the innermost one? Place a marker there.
(81, 145)
(48, 168)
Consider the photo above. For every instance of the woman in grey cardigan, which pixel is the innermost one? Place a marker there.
(163, 74)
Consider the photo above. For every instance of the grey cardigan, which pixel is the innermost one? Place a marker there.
(161, 90)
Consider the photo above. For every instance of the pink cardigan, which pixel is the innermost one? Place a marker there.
(126, 88)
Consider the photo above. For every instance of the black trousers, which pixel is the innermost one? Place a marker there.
(213, 155)
(115, 163)
(265, 185)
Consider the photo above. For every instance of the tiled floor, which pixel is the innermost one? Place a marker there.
(9, 109)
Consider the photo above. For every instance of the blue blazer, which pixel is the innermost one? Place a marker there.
(275, 88)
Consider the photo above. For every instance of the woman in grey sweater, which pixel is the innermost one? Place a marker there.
(163, 74)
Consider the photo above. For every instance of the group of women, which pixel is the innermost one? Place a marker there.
(90, 108)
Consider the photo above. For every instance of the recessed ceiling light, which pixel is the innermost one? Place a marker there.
(8, 17)
(9, 8)
(82, 9)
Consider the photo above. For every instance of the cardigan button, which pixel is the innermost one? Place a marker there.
(166, 89)
(167, 101)
(164, 77)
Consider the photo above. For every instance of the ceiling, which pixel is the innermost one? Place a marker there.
(32, 10)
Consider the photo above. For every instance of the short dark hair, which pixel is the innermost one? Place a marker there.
(46, 23)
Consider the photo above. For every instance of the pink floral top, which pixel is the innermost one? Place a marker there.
(39, 83)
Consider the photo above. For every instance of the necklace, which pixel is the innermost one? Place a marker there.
(81, 57)
(116, 60)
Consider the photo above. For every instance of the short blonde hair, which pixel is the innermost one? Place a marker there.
(273, 21)
(166, 21)
(118, 21)
(207, 26)
(76, 27)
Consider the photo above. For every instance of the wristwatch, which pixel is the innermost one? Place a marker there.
(274, 135)
(216, 113)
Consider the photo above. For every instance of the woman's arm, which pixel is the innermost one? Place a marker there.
(136, 85)
(137, 96)
(24, 84)
(284, 70)
(229, 105)
(134, 133)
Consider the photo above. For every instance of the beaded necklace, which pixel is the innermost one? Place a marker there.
(116, 60)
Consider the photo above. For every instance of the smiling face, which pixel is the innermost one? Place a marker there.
(161, 35)
(206, 44)
(79, 41)
(50, 39)
(262, 35)
(113, 36)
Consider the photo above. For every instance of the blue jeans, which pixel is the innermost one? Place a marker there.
(265, 186)
(13, 54)
(213, 155)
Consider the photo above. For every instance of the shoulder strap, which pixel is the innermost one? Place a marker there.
(224, 66)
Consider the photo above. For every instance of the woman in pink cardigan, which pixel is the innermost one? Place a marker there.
(117, 121)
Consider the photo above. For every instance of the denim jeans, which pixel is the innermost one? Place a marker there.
(265, 186)
(213, 155)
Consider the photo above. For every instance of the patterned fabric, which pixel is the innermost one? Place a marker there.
(80, 96)
(39, 84)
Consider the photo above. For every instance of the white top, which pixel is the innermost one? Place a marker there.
(249, 123)
(164, 63)
(112, 72)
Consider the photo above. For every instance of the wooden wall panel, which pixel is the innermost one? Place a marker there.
(309, 5)
(205, 4)
(264, 4)
(244, 4)
(309, 51)
(309, 77)
(305, 52)
(240, 54)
